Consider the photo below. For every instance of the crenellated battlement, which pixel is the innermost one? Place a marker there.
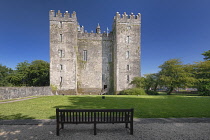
(62, 16)
(94, 36)
(126, 18)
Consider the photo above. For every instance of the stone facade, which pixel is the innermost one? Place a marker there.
(93, 63)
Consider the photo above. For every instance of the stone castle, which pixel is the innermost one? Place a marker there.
(93, 63)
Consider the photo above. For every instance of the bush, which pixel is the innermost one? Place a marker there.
(133, 91)
(150, 92)
(204, 93)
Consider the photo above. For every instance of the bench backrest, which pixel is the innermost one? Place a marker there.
(94, 115)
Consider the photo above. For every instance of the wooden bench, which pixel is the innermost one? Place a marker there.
(93, 116)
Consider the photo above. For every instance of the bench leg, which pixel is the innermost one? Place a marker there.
(57, 129)
(94, 128)
(131, 128)
(126, 125)
(62, 125)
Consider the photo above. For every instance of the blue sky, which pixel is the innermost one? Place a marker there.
(170, 28)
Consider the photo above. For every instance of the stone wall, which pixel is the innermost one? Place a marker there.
(19, 92)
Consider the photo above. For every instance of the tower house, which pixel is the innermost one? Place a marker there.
(63, 48)
(126, 31)
(93, 63)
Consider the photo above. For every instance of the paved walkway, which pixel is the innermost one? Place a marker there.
(145, 129)
(16, 100)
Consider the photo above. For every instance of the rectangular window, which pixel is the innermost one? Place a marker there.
(60, 24)
(103, 77)
(61, 37)
(61, 67)
(128, 67)
(61, 80)
(128, 79)
(85, 55)
(110, 57)
(61, 53)
(127, 54)
(128, 39)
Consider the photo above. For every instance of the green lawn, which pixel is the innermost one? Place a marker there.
(17, 99)
(161, 106)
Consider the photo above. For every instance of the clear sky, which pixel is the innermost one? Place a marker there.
(170, 28)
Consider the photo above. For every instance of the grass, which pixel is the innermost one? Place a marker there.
(145, 106)
(17, 99)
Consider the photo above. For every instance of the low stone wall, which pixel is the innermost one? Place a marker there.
(19, 92)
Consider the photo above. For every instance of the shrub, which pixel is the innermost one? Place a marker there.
(150, 92)
(204, 93)
(53, 89)
(133, 91)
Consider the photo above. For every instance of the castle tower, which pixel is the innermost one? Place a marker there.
(63, 48)
(126, 31)
(93, 63)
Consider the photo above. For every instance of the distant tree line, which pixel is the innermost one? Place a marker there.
(35, 73)
(174, 74)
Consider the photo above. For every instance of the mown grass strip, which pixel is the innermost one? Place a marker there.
(146, 106)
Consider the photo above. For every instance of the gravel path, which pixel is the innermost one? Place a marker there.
(145, 129)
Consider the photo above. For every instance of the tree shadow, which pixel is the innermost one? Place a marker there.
(97, 102)
(11, 131)
(144, 106)
(15, 117)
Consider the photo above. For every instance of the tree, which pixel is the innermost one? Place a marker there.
(4, 74)
(149, 81)
(206, 55)
(202, 74)
(20, 76)
(173, 74)
(38, 73)
(35, 73)
(138, 82)
(156, 81)
(201, 71)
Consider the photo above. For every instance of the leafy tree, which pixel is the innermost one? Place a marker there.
(19, 76)
(149, 81)
(174, 74)
(202, 74)
(206, 55)
(35, 73)
(4, 74)
(138, 82)
(38, 73)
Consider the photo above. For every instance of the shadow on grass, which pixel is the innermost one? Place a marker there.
(86, 102)
(96, 102)
(15, 117)
(180, 93)
(144, 106)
